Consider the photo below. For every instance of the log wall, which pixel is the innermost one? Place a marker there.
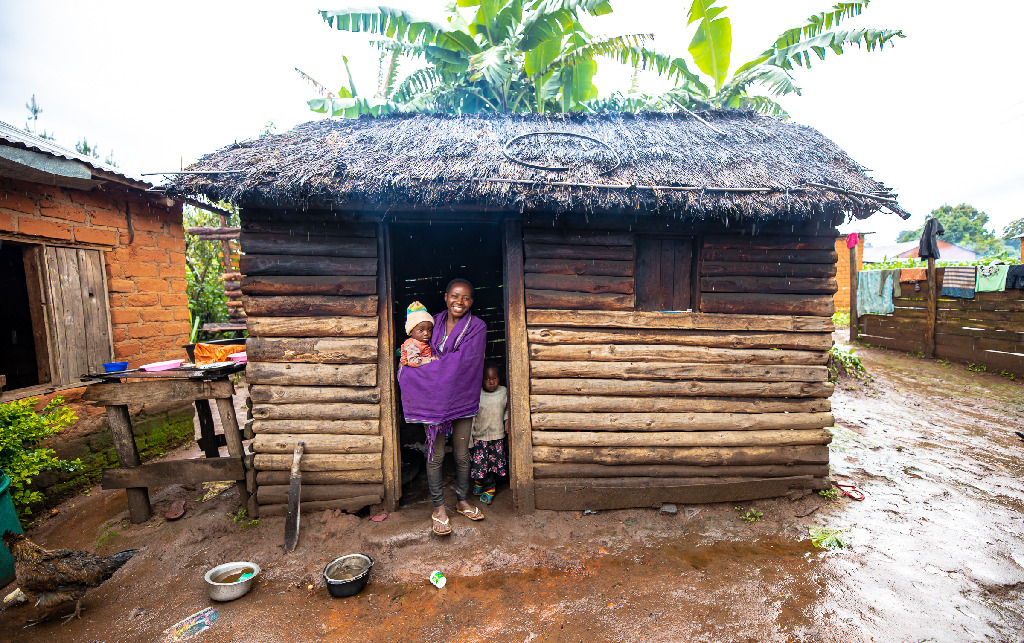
(311, 297)
(634, 407)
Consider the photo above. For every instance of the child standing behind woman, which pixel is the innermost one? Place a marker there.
(487, 453)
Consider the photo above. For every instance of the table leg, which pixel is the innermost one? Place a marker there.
(208, 437)
(128, 456)
(233, 437)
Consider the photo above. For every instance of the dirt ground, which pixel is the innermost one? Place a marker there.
(936, 552)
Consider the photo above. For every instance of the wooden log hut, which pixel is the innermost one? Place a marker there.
(658, 286)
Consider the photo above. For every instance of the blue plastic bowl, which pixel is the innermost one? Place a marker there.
(114, 367)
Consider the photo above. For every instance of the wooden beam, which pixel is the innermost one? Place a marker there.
(668, 337)
(317, 461)
(322, 477)
(620, 404)
(728, 438)
(316, 411)
(758, 303)
(289, 265)
(700, 456)
(157, 391)
(580, 267)
(663, 353)
(233, 437)
(854, 320)
(678, 371)
(640, 421)
(319, 394)
(313, 350)
(262, 243)
(580, 283)
(520, 424)
(828, 256)
(933, 290)
(339, 326)
(310, 306)
(159, 474)
(320, 374)
(559, 299)
(351, 505)
(278, 494)
(120, 424)
(326, 427)
(315, 443)
(571, 470)
(795, 285)
(656, 389)
(310, 285)
(597, 495)
(775, 270)
(578, 238)
(575, 252)
(391, 461)
(679, 321)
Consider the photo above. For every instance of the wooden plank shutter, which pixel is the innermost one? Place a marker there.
(80, 312)
(663, 268)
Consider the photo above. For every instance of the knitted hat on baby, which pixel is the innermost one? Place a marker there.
(416, 314)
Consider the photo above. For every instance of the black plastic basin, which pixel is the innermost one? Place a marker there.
(342, 566)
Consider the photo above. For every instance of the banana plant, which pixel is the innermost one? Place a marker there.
(711, 49)
(504, 56)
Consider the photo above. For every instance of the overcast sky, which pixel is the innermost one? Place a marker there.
(939, 117)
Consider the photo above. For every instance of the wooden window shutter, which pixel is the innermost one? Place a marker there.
(663, 270)
(80, 310)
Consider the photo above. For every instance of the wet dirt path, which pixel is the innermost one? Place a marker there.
(935, 554)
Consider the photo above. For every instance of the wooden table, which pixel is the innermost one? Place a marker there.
(194, 385)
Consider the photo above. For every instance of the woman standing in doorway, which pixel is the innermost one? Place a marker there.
(445, 395)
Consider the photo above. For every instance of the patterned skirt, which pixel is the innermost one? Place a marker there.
(487, 456)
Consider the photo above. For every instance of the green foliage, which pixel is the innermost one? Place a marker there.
(751, 515)
(207, 302)
(22, 430)
(32, 124)
(829, 494)
(1014, 229)
(964, 226)
(976, 368)
(842, 363)
(241, 519)
(829, 537)
(502, 56)
(841, 318)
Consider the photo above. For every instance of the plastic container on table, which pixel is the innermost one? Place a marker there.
(8, 522)
(114, 367)
(162, 366)
(238, 357)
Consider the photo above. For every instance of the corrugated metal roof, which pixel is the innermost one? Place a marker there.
(11, 135)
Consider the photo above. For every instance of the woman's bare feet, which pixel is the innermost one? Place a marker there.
(439, 523)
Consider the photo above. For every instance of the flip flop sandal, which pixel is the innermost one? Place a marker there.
(488, 496)
(850, 489)
(473, 514)
(440, 527)
(177, 510)
(477, 489)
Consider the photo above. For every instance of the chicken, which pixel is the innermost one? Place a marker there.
(54, 580)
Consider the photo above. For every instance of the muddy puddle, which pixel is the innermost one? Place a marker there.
(935, 550)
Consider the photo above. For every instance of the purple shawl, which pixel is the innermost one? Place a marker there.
(449, 387)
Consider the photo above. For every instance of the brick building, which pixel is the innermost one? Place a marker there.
(842, 295)
(92, 268)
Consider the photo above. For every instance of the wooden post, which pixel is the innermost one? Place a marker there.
(233, 437)
(854, 322)
(933, 305)
(391, 461)
(520, 428)
(206, 432)
(128, 456)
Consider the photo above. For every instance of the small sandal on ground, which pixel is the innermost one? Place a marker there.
(477, 488)
(440, 527)
(487, 496)
(177, 510)
(472, 514)
(850, 489)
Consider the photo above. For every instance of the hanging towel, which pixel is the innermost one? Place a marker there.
(851, 240)
(913, 274)
(992, 278)
(894, 274)
(874, 293)
(928, 248)
(958, 281)
(1015, 277)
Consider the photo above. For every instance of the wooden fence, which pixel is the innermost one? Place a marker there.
(987, 330)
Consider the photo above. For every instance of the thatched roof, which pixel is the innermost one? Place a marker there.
(441, 160)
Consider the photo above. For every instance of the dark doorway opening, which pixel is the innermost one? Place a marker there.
(425, 256)
(18, 351)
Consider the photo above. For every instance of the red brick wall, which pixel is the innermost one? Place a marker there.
(842, 296)
(146, 278)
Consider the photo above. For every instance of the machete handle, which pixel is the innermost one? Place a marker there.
(295, 458)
